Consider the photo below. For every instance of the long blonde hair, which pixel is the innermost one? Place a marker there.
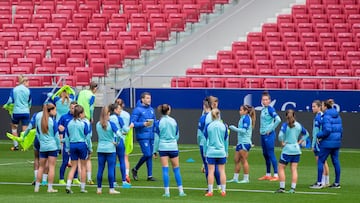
(104, 117)
(45, 117)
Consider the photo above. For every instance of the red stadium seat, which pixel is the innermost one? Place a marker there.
(263, 64)
(319, 18)
(138, 27)
(272, 36)
(95, 53)
(338, 64)
(20, 70)
(269, 27)
(322, 27)
(6, 62)
(198, 82)
(239, 45)
(347, 84)
(281, 64)
(194, 71)
(290, 83)
(113, 44)
(330, 46)
(88, 35)
(45, 9)
(261, 55)
(234, 82)
(267, 71)
(245, 64)
(19, 45)
(27, 62)
(254, 37)
(47, 36)
(177, 22)
(76, 44)
(61, 18)
(61, 54)
(253, 83)
(272, 83)
(301, 64)
(75, 62)
(229, 71)
(286, 27)
(299, 9)
(7, 81)
(309, 84)
(284, 18)
(162, 31)
(119, 18)
(343, 72)
(354, 65)
(242, 54)
(147, 40)
(257, 46)
(115, 57)
(64, 70)
(324, 72)
(209, 63)
(83, 76)
(297, 55)
(99, 67)
(293, 46)
(212, 71)
(349, 46)
(38, 54)
(192, 12)
(305, 27)
(24, 9)
(311, 46)
(107, 35)
(308, 37)
(10, 27)
(227, 64)
(215, 82)
(179, 82)
(15, 54)
(276, 46)
(32, 27)
(316, 9)
(37, 45)
(131, 49)
(335, 55)
(94, 44)
(340, 28)
(117, 27)
(50, 62)
(353, 18)
(47, 80)
(328, 84)
(352, 56)
(278, 55)
(290, 37)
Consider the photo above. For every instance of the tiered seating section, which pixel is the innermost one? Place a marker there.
(84, 38)
(320, 38)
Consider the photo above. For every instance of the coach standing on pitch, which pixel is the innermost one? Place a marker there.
(143, 118)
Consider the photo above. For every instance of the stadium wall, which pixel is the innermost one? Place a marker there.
(187, 104)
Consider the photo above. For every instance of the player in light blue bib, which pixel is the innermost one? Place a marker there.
(290, 139)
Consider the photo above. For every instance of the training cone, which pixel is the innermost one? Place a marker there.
(190, 160)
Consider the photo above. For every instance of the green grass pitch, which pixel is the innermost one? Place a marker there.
(16, 174)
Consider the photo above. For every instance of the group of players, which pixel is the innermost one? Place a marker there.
(64, 124)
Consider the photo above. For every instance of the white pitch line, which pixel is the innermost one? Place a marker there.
(95, 157)
(185, 188)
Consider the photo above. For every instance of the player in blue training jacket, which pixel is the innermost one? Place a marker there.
(269, 120)
(316, 108)
(244, 131)
(166, 136)
(216, 150)
(143, 118)
(290, 139)
(329, 139)
(63, 122)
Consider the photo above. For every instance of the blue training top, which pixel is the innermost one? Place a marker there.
(269, 120)
(20, 96)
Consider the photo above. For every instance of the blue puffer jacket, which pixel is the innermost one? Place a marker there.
(331, 131)
(140, 114)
